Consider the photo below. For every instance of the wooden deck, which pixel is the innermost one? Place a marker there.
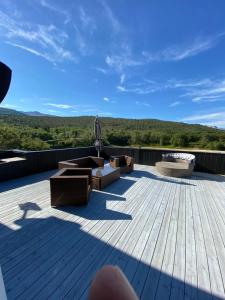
(166, 234)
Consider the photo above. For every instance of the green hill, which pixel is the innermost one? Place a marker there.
(18, 130)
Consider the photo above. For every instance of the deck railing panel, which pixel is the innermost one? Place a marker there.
(39, 161)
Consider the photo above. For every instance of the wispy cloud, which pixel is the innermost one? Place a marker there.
(120, 62)
(122, 78)
(202, 117)
(82, 45)
(53, 111)
(178, 52)
(175, 103)
(33, 51)
(7, 105)
(64, 106)
(55, 8)
(42, 40)
(109, 15)
(207, 91)
(84, 28)
(209, 119)
(140, 88)
(106, 99)
(200, 90)
(139, 103)
(88, 23)
(102, 70)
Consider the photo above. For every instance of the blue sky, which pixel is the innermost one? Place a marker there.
(134, 59)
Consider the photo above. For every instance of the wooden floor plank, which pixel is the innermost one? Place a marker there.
(213, 263)
(69, 240)
(191, 278)
(89, 265)
(130, 238)
(166, 234)
(204, 283)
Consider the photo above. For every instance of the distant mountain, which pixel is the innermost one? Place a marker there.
(35, 114)
(8, 111)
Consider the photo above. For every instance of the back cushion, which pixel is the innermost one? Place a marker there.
(122, 161)
(93, 164)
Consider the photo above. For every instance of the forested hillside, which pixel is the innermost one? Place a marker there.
(45, 132)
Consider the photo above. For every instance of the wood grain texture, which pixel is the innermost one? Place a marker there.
(166, 234)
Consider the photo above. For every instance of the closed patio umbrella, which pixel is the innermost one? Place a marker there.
(5, 79)
(98, 141)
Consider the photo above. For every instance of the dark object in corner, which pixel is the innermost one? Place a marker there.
(5, 79)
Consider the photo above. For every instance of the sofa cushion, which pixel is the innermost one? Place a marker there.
(123, 161)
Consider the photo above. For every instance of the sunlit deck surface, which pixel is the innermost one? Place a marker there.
(166, 234)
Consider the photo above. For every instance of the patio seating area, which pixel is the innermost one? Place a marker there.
(166, 234)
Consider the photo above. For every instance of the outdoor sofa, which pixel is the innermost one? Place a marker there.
(83, 162)
(70, 187)
(124, 162)
(176, 164)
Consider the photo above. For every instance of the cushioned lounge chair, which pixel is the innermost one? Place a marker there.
(176, 164)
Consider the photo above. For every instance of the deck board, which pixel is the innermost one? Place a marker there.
(166, 234)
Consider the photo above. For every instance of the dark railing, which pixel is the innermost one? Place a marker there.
(206, 161)
(39, 161)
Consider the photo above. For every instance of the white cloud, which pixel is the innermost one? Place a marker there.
(209, 119)
(177, 53)
(142, 103)
(175, 103)
(64, 106)
(42, 40)
(106, 99)
(52, 111)
(108, 13)
(203, 117)
(33, 51)
(88, 22)
(203, 90)
(122, 78)
(81, 42)
(119, 62)
(208, 91)
(121, 88)
(7, 105)
(142, 88)
(56, 9)
(102, 70)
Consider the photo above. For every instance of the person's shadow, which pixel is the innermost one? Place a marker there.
(28, 206)
(56, 258)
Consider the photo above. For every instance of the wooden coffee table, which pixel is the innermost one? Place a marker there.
(101, 177)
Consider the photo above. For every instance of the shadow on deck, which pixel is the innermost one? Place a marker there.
(65, 260)
(52, 257)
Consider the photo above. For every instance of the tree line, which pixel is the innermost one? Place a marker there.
(39, 133)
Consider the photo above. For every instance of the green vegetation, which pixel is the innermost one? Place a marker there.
(44, 132)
